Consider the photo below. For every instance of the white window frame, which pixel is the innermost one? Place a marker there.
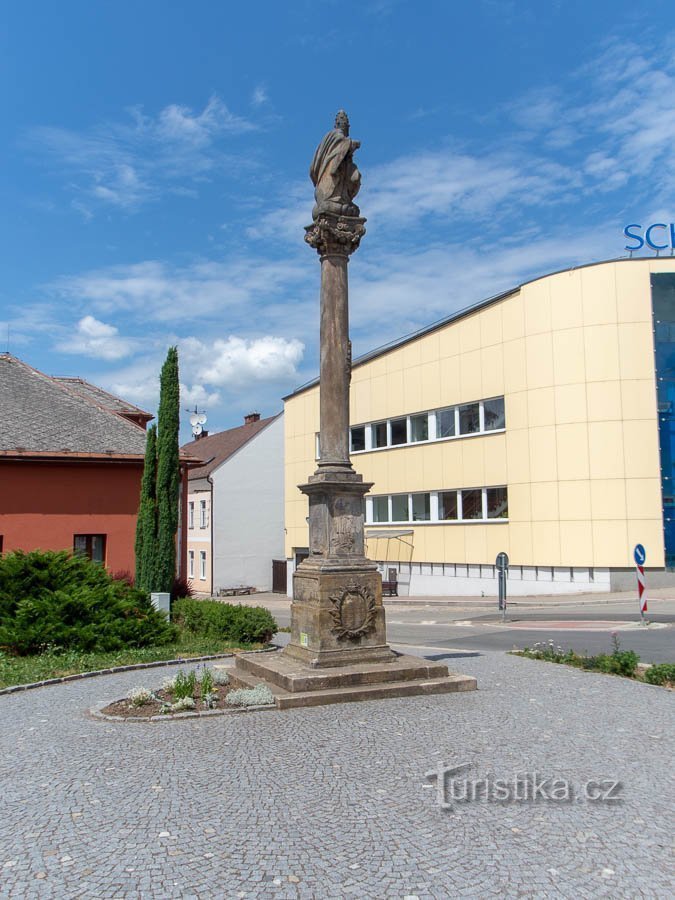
(432, 427)
(202, 565)
(191, 514)
(203, 521)
(191, 563)
(434, 508)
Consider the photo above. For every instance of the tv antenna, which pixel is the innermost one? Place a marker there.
(197, 421)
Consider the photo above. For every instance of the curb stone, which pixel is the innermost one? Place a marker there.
(179, 661)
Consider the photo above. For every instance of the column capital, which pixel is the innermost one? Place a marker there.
(335, 235)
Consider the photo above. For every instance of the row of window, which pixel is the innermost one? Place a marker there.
(435, 425)
(202, 564)
(203, 517)
(468, 504)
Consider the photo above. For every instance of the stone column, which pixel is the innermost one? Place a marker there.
(337, 615)
(335, 355)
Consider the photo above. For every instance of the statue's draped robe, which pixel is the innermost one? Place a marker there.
(330, 183)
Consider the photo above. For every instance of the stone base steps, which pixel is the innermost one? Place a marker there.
(294, 685)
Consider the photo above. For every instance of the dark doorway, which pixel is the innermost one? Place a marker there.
(279, 582)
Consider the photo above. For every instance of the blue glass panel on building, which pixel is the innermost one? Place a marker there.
(663, 307)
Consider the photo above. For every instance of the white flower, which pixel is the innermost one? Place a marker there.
(139, 696)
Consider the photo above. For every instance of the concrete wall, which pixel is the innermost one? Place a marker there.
(43, 505)
(572, 354)
(248, 511)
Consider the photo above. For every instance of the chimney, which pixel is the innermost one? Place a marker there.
(202, 434)
(251, 418)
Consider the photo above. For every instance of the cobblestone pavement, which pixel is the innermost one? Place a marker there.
(333, 802)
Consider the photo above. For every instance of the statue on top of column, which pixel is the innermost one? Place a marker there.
(334, 173)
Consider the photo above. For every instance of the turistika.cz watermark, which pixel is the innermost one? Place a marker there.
(530, 787)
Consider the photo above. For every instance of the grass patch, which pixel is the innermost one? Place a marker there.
(56, 664)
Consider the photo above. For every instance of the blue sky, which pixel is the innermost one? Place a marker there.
(154, 176)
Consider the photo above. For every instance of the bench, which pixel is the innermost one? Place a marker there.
(390, 588)
(235, 591)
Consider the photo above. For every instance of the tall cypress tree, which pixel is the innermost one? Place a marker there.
(168, 473)
(146, 525)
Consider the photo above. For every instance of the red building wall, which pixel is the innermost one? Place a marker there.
(44, 504)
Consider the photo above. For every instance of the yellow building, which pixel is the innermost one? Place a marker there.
(526, 424)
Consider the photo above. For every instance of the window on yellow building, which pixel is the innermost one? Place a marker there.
(419, 428)
(399, 431)
(380, 509)
(358, 438)
(493, 413)
(447, 505)
(379, 434)
(445, 423)
(497, 503)
(472, 504)
(399, 508)
(421, 507)
(469, 418)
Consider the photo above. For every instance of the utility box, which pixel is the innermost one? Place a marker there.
(162, 602)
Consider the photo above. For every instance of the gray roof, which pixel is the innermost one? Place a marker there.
(42, 415)
(102, 398)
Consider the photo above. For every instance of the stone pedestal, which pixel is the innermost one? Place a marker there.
(337, 616)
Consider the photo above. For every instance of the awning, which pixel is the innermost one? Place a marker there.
(397, 548)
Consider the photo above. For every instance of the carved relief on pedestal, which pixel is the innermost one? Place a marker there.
(343, 542)
(346, 526)
(353, 611)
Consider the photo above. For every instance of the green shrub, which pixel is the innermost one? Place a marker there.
(660, 674)
(621, 662)
(55, 600)
(242, 624)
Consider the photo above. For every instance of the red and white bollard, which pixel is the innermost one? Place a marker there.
(642, 591)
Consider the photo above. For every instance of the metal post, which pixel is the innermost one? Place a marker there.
(502, 564)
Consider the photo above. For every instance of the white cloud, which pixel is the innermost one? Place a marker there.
(128, 162)
(622, 104)
(98, 339)
(198, 395)
(154, 290)
(236, 361)
(450, 184)
(259, 96)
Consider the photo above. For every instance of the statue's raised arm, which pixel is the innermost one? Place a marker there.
(333, 172)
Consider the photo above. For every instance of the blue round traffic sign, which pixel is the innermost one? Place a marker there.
(639, 554)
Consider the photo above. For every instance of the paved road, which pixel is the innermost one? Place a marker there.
(477, 629)
(334, 802)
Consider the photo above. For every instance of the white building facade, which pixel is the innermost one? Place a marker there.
(236, 507)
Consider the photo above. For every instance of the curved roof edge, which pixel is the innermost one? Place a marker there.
(467, 311)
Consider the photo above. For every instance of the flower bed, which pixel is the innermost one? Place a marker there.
(197, 691)
(619, 662)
